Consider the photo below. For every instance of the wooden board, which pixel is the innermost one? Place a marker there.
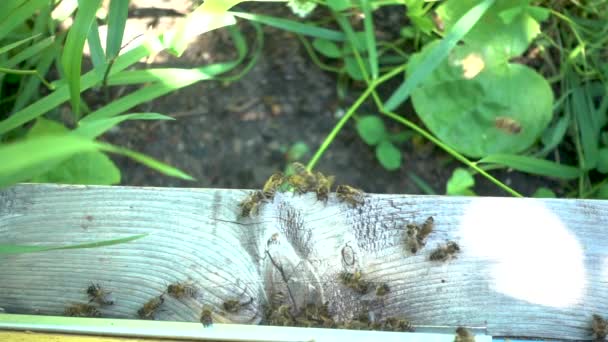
(527, 267)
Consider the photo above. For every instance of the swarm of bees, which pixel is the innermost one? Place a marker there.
(82, 310)
(362, 322)
(463, 335)
(150, 307)
(599, 328)
(99, 295)
(382, 290)
(445, 252)
(416, 234)
(354, 281)
(301, 181)
(181, 290)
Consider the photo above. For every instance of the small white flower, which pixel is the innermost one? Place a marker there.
(302, 8)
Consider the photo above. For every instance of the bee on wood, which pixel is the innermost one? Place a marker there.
(302, 180)
(233, 305)
(82, 310)
(507, 125)
(463, 335)
(445, 252)
(382, 290)
(181, 290)
(416, 235)
(354, 281)
(350, 195)
(250, 205)
(99, 295)
(272, 184)
(149, 309)
(206, 316)
(280, 316)
(323, 186)
(397, 324)
(599, 327)
(277, 299)
(273, 240)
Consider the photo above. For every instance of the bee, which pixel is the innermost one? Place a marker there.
(397, 324)
(426, 228)
(464, 335)
(206, 316)
(382, 290)
(250, 205)
(181, 290)
(82, 310)
(599, 327)
(323, 186)
(445, 252)
(416, 235)
(302, 180)
(354, 281)
(272, 184)
(233, 305)
(149, 309)
(350, 195)
(507, 125)
(273, 240)
(277, 299)
(99, 295)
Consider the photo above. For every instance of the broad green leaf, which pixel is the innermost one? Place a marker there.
(293, 26)
(602, 161)
(437, 55)
(371, 129)
(71, 59)
(460, 183)
(388, 155)
(6, 48)
(478, 106)
(20, 249)
(543, 192)
(117, 18)
(87, 168)
(94, 128)
(327, 48)
(370, 37)
(512, 29)
(533, 165)
(352, 68)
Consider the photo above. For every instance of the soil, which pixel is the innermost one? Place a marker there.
(235, 135)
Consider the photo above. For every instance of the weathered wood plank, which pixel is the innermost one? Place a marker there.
(528, 267)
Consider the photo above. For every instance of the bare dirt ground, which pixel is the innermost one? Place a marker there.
(235, 135)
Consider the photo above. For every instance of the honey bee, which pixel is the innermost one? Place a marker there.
(323, 186)
(206, 316)
(416, 235)
(426, 229)
(445, 252)
(82, 310)
(397, 324)
(350, 195)
(273, 240)
(250, 205)
(464, 335)
(277, 299)
(507, 125)
(354, 281)
(234, 305)
(149, 309)
(302, 180)
(272, 184)
(181, 290)
(382, 290)
(99, 295)
(599, 327)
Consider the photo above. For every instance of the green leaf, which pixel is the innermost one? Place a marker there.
(11, 46)
(512, 30)
(437, 55)
(293, 26)
(460, 183)
(543, 192)
(602, 192)
(538, 13)
(20, 249)
(555, 133)
(18, 15)
(589, 126)
(32, 51)
(602, 161)
(94, 128)
(370, 37)
(71, 59)
(87, 168)
(388, 155)
(339, 5)
(533, 165)
(352, 68)
(478, 105)
(117, 18)
(371, 129)
(297, 151)
(327, 48)
(97, 54)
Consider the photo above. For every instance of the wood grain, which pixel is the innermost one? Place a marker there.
(527, 267)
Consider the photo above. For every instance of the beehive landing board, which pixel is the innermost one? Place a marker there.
(527, 267)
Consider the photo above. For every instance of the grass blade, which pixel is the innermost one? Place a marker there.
(28, 53)
(20, 249)
(11, 46)
(439, 53)
(95, 128)
(71, 60)
(533, 165)
(117, 18)
(31, 86)
(293, 26)
(97, 55)
(370, 37)
(20, 14)
(421, 184)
